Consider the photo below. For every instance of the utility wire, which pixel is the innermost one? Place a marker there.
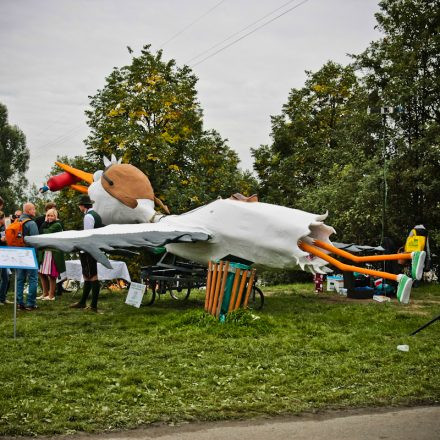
(249, 33)
(192, 23)
(58, 139)
(239, 32)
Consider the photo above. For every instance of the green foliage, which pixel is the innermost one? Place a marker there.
(320, 158)
(328, 154)
(71, 370)
(149, 115)
(402, 69)
(14, 162)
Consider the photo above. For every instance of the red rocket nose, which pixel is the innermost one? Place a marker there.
(70, 177)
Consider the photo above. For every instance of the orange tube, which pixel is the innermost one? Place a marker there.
(88, 177)
(81, 188)
(346, 267)
(355, 258)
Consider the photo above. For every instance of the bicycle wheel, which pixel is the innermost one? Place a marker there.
(256, 299)
(180, 294)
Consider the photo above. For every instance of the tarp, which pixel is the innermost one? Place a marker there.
(357, 248)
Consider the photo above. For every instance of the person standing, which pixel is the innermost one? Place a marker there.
(42, 218)
(29, 228)
(4, 281)
(51, 262)
(89, 265)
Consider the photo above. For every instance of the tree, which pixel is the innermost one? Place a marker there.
(14, 162)
(149, 115)
(402, 70)
(322, 157)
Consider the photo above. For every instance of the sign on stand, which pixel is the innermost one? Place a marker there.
(135, 294)
(17, 258)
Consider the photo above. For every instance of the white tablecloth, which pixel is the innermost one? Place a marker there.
(74, 271)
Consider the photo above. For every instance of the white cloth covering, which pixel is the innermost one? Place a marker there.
(74, 271)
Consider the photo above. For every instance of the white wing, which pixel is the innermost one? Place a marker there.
(114, 237)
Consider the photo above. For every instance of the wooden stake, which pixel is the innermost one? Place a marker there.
(217, 288)
(234, 290)
(249, 289)
(208, 285)
(212, 287)
(222, 288)
(241, 289)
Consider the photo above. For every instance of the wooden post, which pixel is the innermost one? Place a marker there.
(222, 288)
(241, 289)
(249, 288)
(234, 290)
(208, 285)
(217, 288)
(212, 287)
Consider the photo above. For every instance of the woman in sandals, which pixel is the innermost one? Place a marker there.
(51, 261)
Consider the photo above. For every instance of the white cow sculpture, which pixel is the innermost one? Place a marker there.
(268, 235)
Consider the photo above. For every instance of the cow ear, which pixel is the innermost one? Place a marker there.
(106, 161)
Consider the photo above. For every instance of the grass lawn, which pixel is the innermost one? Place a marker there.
(72, 370)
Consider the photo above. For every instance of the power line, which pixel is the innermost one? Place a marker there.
(239, 32)
(192, 23)
(58, 139)
(249, 33)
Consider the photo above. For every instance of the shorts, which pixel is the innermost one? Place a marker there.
(89, 265)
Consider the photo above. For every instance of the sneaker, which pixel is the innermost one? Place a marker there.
(417, 264)
(2, 303)
(9, 302)
(404, 288)
(77, 305)
(21, 307)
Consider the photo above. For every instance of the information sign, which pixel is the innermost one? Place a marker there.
(135, 294)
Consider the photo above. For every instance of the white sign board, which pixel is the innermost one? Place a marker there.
(135, 294)
(18, 258)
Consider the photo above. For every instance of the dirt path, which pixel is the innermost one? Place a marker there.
(421, 423)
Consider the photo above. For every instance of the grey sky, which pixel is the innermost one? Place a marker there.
(55, 53)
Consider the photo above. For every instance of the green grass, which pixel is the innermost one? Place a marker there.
(71, 370)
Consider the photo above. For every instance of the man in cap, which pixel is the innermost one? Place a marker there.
(89, 265)
(29, 228)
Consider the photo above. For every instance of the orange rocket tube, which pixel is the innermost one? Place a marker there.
(346, 267)
(356, 259)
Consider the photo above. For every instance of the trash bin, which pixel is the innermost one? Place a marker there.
(228, 287)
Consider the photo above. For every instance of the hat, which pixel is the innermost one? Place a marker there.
(127, 183)
(85, 200)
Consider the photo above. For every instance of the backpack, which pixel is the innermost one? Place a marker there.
(14, 233)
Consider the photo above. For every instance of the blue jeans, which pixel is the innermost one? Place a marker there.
(4, 284)
(32, 275)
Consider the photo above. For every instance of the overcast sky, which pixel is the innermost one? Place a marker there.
(56, 53)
